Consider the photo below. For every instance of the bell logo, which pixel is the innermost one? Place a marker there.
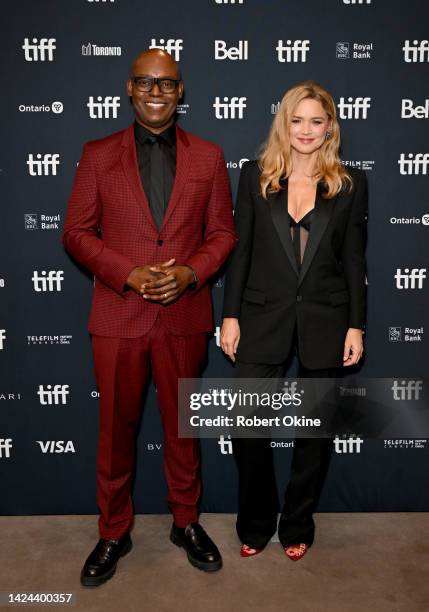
(47, 281)
(5, 446)
(292, 51)
(173, 46)
(357, 109)
(415, 164)
(39, 51)
(53, 395)
(417, 52)
(347, 445)
(225, 445)
(410, 279)
(101, 109)
(241, 52)
(56, 446)
(2, 338)
(409, 111)
(43, 164)
(227, 109)
(407, 390)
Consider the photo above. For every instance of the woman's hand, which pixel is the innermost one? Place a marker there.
(230, 336)
(353, 346)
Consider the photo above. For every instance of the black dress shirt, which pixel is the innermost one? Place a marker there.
(144, 140)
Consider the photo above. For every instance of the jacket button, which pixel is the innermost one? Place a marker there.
(299, 298)
(160, 242)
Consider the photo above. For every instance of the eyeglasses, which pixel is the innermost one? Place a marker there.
(146, 83)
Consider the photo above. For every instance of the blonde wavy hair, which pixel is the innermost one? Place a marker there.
(275, 159)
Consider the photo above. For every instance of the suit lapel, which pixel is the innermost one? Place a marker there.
(322, 214)
(183, 164)
(279, 215)
(131, 171)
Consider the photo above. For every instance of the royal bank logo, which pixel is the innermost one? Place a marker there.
(225, 445)
(410, 278)
(39, 50)
(292, 50)
(405, 390)
(417, 52)
(35, 221)
(2, 338)
(355, 50)
(47, 281)
(43, 164)
(362, 164)
(239, 52)
(91, 49)
(5, 447)
(56, 446)
(410, 111)
(56, 107)
(230, 108)
(42, 340)
(53, 394)
(103, 108)
(173, 46)
(413, 163)
(424, 220)
(354, 108)
(408, 334)
(347, 445)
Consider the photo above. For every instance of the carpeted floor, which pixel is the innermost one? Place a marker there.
(358, 561)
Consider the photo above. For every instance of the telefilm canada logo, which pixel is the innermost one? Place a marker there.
(405, 444)
(45, 340)
(362, 164)
(36, 221)
(354, 50)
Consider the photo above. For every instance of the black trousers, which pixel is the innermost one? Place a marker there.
(258, 502)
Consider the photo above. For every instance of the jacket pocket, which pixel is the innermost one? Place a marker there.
(339, 297)
(254, 295)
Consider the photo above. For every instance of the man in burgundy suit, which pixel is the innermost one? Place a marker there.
(150, 215)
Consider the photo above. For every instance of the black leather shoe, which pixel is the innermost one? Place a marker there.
(101, 563)
(201, 550)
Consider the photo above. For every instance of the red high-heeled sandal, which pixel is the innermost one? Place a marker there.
(247, 551)
(295, 552)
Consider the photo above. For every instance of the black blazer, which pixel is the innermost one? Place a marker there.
(268, 295)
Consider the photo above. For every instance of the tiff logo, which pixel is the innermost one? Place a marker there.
(357, 109)
(292, 51)
(415, 164)
(225, 446)
(39, 51)
(407, 390)
(47, 281)
(227, 110)
(173, 46)
(56, 395)
(44, 164)
(241, 52)
(417, 52)
(2, 338)
(101, 109)
(347, 445)
(410, 279)
(5, 445)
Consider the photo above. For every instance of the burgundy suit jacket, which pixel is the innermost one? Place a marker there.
(109, 229)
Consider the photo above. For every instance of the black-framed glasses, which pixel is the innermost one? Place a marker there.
(146, 83)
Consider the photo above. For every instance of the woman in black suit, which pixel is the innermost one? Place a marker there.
(295, 282)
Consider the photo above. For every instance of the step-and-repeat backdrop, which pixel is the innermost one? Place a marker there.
(65, 68)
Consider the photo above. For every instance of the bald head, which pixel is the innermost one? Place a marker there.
(155, 59)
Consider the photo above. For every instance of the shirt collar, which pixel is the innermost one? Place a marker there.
(142, 134)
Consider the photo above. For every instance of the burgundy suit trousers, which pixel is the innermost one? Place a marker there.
(122, 368)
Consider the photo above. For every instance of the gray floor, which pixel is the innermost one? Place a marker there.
(359, 561)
